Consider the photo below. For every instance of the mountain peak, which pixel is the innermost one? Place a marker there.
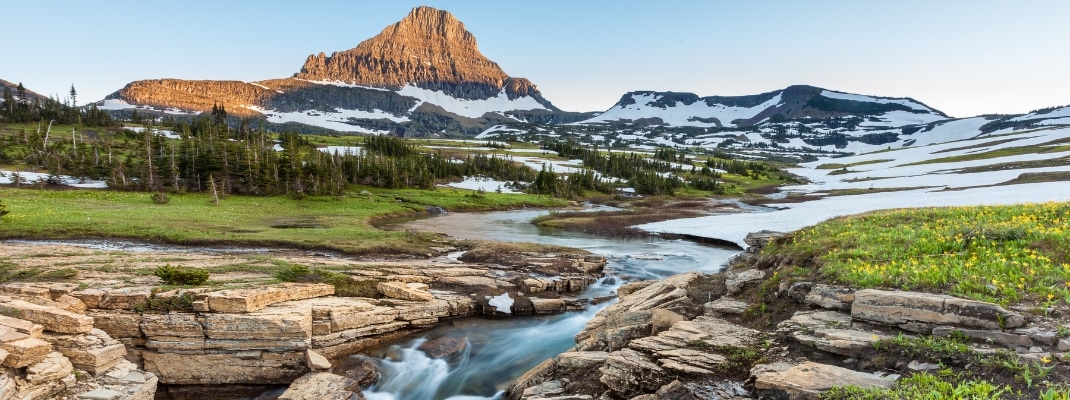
(430, 49)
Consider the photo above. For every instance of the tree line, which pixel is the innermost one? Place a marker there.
(22, 106)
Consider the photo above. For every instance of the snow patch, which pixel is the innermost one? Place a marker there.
(482, 183)
(471, 108)
(503, 303)
(680, 114)
(857, 97)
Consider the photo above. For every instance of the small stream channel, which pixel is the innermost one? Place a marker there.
(499, 351)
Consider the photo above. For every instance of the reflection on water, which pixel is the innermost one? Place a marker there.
(502, 350)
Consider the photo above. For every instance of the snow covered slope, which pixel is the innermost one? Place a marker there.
(794, 102)
(1023, 166)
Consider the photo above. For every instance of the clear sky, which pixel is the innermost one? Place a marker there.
(962, 57)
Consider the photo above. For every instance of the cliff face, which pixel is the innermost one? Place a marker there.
(430, 49)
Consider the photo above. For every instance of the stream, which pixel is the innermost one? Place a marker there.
(500, 350)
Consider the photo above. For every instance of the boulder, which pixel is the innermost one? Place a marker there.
(316, 362)
(53, 368)
(809, 380)
(322, 386)
(548, 306)
(724, 306)
(630, 373)
(735, 280)
(444, 347)
(402, 291)
(361, 369)
(1043, 337)
(93, 352)
(761, 238)
(830, 297)
(920, 312)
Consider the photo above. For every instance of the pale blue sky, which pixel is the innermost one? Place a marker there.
(962, 57)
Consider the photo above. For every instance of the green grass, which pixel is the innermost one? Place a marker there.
(922, 386)
(1005, 254)
(343, 224)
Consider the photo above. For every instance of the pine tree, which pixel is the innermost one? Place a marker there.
(74, 96)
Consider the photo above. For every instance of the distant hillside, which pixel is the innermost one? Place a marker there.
(423, 75)
(14, 87)
(792, 103)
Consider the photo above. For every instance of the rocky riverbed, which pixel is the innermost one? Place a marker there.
(704, 336)
(119, 324)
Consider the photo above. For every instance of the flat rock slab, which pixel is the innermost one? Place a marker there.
(402, 291)
(254, 367)
(50, 318)
(920, 312)
(25, 352)
(21, 326)
(724, 305)
(809, 380)
(254, 299)
(323, 386)
(830, 297)
(581, 359)
(100, 394)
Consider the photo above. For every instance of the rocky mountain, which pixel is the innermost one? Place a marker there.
(798, 122)
(792, 103)
(420, 76)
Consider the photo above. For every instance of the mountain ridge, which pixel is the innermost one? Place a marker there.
(792, 102)
(421, 76)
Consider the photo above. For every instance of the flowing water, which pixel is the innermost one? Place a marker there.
(501, 350)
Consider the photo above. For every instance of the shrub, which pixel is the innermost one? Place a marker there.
(344, 285)
(3, 209)
(179, 275)
(160, 198)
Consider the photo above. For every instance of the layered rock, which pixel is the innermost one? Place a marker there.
(42, 353)
(430, 49)
(809, 380)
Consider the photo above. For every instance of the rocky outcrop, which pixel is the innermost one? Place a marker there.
(266, 334)
(45, 342)
(322, 386)
(405, 291)
(656, 343)
(921, 312)
(807, 381)
(429, 48)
